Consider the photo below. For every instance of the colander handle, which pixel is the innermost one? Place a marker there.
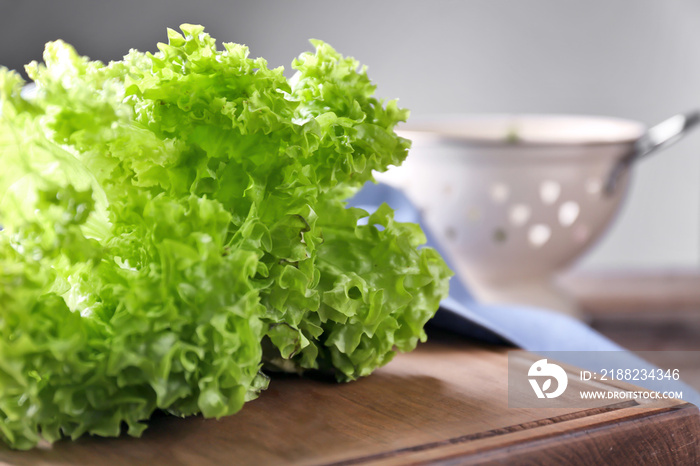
(657, 137)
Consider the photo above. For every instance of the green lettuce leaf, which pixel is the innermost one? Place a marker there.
(173, 223)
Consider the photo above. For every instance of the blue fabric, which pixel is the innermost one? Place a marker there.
(531, 329)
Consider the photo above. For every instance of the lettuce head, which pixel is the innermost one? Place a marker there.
(174, 224)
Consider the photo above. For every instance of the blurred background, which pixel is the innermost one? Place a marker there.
(632, 59)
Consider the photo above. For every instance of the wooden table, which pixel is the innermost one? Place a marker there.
(652, 310)
(446, 402)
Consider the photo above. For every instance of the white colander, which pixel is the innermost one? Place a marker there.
(514, 198)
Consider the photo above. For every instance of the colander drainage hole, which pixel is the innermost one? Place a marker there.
(500, 235)
(568, 213)
(500, 192)
(549, 192)
(519, 214)
(538, 235)
(473, 214)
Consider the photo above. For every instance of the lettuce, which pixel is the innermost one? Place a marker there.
(174, 224)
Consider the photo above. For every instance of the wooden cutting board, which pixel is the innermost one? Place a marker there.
(446, 402)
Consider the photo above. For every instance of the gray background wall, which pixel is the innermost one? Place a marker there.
(627, 58)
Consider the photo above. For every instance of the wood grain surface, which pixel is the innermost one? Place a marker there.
(446, 403)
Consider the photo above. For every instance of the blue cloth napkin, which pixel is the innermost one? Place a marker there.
(528, 328)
